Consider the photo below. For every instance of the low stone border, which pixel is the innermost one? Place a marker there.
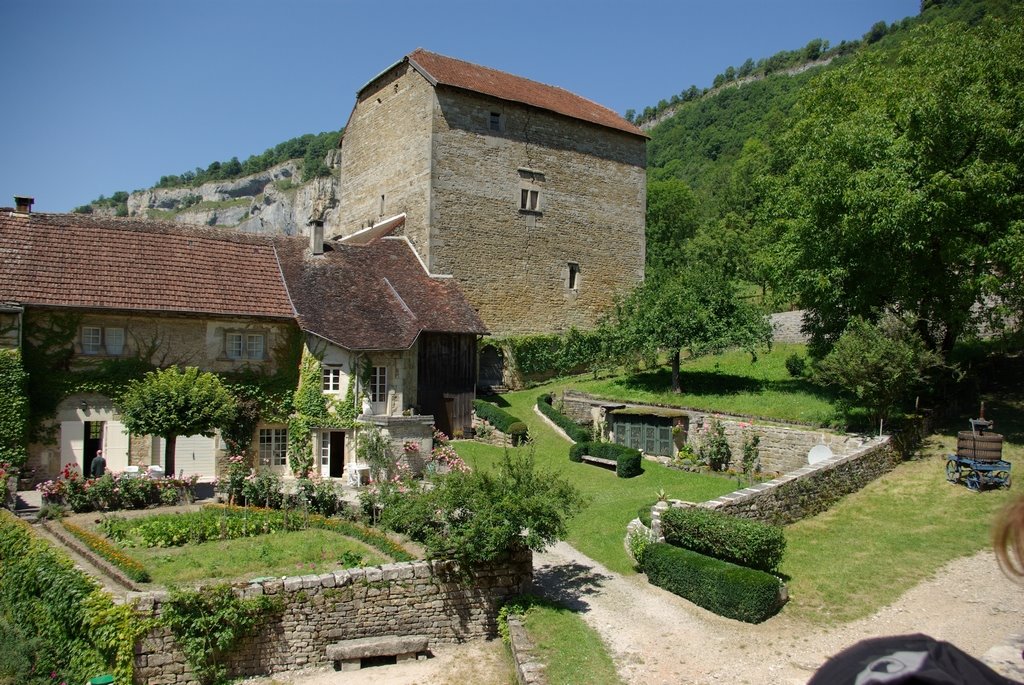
(530, 670)
(551, 424)
(82, 550)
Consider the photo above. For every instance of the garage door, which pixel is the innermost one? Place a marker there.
(194, 454)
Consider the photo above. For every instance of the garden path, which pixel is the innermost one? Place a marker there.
(656, 637)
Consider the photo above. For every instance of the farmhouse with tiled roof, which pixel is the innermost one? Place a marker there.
(531, 197)
(82, 292)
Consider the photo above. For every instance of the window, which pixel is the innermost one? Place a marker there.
(274, 446)
(244, 345)
(332, 379)
(574, 276)
(114, 341)
(530, 200)
(92, 339)
(495, 122)
(325, 448)
(98, 340)
(378, 384)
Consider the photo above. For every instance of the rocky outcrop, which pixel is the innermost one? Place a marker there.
(274, 201)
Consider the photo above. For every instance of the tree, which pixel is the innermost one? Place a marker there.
(900, 186)
(694, 308)
(877, 366)
(672, 219)
(169, 403)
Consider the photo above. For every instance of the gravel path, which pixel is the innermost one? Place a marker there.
(656, 637)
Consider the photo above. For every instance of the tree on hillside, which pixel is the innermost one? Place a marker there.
(694, 308)
(672, 219)
(170, 403)
(900, 187)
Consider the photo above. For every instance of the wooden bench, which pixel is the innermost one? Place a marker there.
(348, 655)
(600, 461)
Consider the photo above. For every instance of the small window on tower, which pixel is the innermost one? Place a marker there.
(529, 200)
(574, 276)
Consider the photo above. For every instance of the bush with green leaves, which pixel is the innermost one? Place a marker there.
(263, 489)
(54, 618)
(575, 431)
(628, 461)
(494, 415)
(713, 447)
(877, 366)
(744, 594)
(481, 516)
(796, 365)
(741, 541)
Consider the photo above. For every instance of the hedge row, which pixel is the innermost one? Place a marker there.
(54, 619)
(728, 590)
(627, 460)
(14, 409)
(575, 431)
(496, 416)
(741, 541)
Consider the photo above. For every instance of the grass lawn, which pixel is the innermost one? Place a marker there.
(729, 383)
(572, 650)
(275, 554)
(599, 530)
(878, 543)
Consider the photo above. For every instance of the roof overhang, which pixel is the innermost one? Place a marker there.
(380, 229)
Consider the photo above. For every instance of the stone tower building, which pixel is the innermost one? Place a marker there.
(533, 198)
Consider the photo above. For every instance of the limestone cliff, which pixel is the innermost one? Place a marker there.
(273, 201)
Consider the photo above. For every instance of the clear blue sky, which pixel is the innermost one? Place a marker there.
(110, 95)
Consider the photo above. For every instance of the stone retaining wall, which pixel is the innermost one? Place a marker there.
(783, 448)
(804, 492)
(422, 597)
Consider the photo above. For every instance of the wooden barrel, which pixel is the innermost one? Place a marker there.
(987, 447)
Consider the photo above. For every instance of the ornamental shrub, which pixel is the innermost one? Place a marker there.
(741, 541)
(744, 594)
(519, 432)
(575, 431)
(628, 461)
(496, 416)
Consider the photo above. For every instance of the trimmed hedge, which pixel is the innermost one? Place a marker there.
(496, 416)
(575, 431)
(627, 460)
(744, 594)
(741, 541)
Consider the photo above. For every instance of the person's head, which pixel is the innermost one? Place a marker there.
(99, 453)
(1008, 539)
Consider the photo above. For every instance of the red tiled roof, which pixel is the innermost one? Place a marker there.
(372, 297)
(79, 260)
(468, 76)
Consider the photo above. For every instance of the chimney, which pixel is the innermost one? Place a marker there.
(316, 238)
(23, 205)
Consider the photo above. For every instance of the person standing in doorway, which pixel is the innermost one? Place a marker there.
(99, 465)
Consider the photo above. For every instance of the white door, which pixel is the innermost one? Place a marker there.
(193, 455)
(115, 446)
(72, 443)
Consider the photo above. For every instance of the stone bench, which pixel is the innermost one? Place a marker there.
(600, 461)
(348, 655)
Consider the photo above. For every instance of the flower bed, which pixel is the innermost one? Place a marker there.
(115, 491)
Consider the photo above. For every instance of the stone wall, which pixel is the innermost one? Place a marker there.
(421, 598)
(430, 153)
(786, 327)
(783, 448)
(591, 202)
(804, 492)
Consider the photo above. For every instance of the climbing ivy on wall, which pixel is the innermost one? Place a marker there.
(551, 354)
(313, 410)
(13, 408)
(49, 347)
